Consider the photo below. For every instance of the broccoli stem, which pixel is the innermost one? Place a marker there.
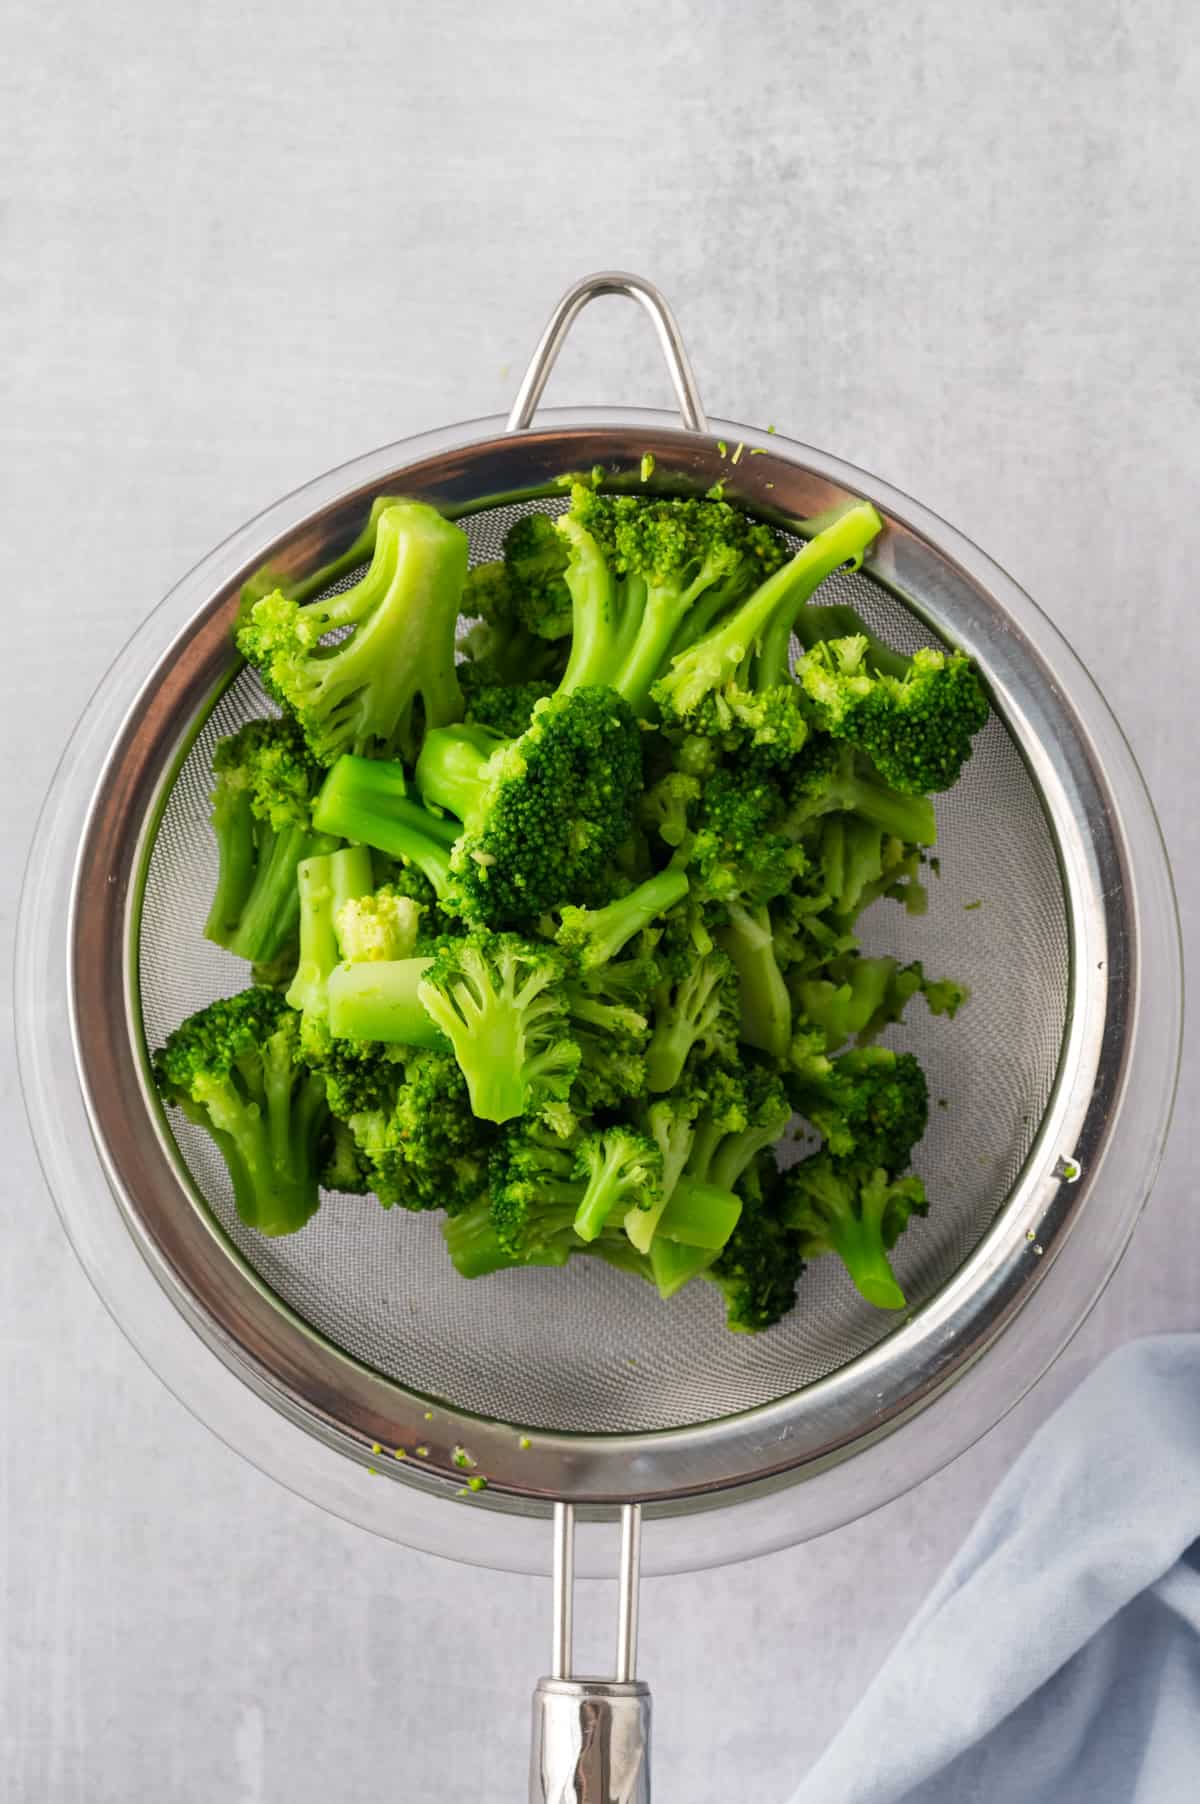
(367, 799)
(698, 1215)
(860, 1247)
(842, 542)
(765, 617)
(594, 611)
(269, 1137)
(378, 1000)
(600, 933)
(324, 884)
(450, 769)
(766, 1007)
(271, 911)
(237, 851)
(673, 1265)
(473, 1246)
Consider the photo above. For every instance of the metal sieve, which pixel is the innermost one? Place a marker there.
(577, 1390)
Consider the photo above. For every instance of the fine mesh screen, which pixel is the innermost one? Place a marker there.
(585, 1348)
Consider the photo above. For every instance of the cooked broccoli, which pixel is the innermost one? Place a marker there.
(568, 929)
(857, 997)
(503, 708)
(916, 729)
(391, 672)
(639, 567)
(759, 1269)
(623, 1170)
(856, 1211)
(595, 936)
(500, 1002)
(368, 800)
(233, 1068)
(543, 815)
(420, 1141)
(870, 1103)
(262, 815)
(748, 646)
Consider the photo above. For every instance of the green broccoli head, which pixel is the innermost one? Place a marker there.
(391, 672)
(871, 1104)
(535, 559)
(543, 815)
(915, 729)
(503, 708)
(858, 1212)
(501, 1002)
(420, 1141)
(762, 1262)
(622, 1170)
(233, 1068)
(265, 784)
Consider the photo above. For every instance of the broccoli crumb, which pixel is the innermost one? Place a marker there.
(524, 1443)
(647, 465)
(399, 1453)
(722, 447)
(737, 453)
(968, 906)
(463, 1460)
(422, 1452)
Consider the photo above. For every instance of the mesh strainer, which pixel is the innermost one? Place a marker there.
(576, 1392)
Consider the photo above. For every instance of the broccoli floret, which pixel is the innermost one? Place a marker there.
(535, 1195)
(391, 673)
(343, 1165)
(367, 799)
(543, 815)
(639, 568)
(748, 646)
(503, 708)
(268, 579)
(535, 562)
(735, 854)
(871, 1103)
(856, 1211)
(856, 997)
(667, 806)
(595, 936)
(609, 1009)
(622, 1170)
(262, 815)
(325, 885)
(695, 1010)
(916, 729)
(233, 1068)
(758, 1270)
(421, 1143)
(501, 1003)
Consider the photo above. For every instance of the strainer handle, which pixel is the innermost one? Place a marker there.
(591, 1737)
(610, 281)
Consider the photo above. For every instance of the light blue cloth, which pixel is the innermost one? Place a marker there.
(1058, 1659)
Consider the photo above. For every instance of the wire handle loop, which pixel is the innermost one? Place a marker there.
(577, 297)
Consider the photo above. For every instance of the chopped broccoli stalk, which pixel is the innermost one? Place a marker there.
(369, 797)
(392, 672)
(543, 815)
(856, 1211)
(500, 1001)
(623, 1170)
(325, 884)
(233, 1069)
(383, 925)
(764, 1002)
(262, 816)
(749, 645)
(698, 1215)
(673, 1265)
(596, 935)
(380, 1000)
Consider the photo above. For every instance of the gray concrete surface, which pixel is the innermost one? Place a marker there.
(241, 244)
